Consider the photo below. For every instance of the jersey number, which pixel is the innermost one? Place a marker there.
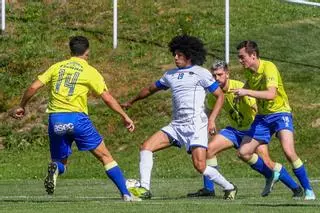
(69, 82)
(180, 76)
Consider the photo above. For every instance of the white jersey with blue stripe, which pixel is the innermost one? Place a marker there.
(189, 86)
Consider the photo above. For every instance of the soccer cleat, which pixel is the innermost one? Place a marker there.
(128, 198)
(231, 193)
(140, 192)
(309, 195)
(269, 183)
(202, 193)
(297, 193)
(51, 179)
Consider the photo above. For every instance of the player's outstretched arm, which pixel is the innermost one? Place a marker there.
(19, 111)
(269, 94)
(218, 93)
(144, 93)
(110, 101)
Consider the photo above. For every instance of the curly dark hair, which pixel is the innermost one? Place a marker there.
(192, 47)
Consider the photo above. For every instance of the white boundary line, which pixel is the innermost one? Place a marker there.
(304, 2)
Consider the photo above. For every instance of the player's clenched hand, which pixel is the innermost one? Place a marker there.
(129, 124)
(17, 113)
(240, 92)
(212, 128)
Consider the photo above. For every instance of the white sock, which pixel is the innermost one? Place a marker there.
(146, 163)
(214, 175)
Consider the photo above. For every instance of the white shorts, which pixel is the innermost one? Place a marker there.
(192, 134)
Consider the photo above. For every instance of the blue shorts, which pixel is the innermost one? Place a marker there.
(233, 135)
(264, 126)
(64, 128)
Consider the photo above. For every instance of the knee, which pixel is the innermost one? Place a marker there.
(200, 166)
(145, 146)
(211, 153)
(243, 155)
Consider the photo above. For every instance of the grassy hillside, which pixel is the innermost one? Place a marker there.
(37, 35)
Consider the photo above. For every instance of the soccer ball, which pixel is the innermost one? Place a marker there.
(130, 183)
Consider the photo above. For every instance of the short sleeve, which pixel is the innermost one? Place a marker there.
(206, 79)
(46, 76)
(97, 83)
(271, 75)
(162, 83)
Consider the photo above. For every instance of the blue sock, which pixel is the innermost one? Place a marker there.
(115, 174)
(287, 179)
(262, 168)
(302, 176)
(61, 167)
(208, 184)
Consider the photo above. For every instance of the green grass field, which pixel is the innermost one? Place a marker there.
(98, 195)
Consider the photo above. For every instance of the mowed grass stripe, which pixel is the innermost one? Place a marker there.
(82, 195)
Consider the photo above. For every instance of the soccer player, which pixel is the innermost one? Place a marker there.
(274, 113)
(241, 112)
(70, 81)
(190, 125)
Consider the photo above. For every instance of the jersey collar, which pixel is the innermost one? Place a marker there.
(187, 67)
(74, 58)
(260, 69)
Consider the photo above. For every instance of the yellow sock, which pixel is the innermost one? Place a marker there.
(297, 163)
(212, 162)
(253, 159)
(110, 165)
(277, 167)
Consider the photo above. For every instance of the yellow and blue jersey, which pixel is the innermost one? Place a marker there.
(241, 111)
(268, 76)
(70, 82)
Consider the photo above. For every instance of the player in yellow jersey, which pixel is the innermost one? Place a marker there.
(241, 113)
(274, 113)
(70, 81)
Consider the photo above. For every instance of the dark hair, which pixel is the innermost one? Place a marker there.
(78, 45)
(219, 64)
(190, 46)
(250, 47)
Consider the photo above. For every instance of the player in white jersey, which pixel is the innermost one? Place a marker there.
(189, 127)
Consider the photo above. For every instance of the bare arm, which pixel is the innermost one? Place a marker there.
(269, 94)
(111, 102)
(30, 92)
(19, 112)
(218, 93)
(144, 93)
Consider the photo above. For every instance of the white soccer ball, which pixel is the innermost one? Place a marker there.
(130, 183)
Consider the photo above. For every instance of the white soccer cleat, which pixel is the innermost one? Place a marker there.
(128, 198)
(309, 195)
